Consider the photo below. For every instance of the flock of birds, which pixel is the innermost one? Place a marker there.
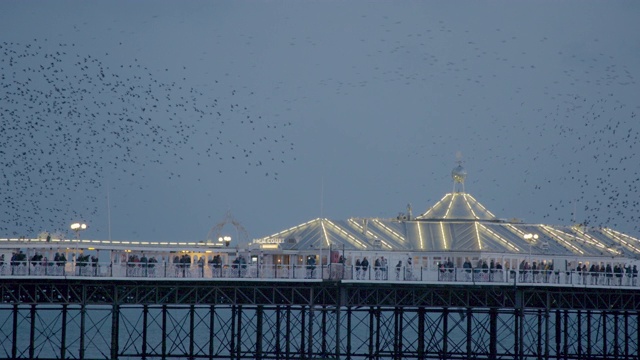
(601, 136)
(72, 121)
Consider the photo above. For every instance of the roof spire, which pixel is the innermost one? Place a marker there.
(458, 174)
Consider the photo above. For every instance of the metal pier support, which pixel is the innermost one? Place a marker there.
(241, 322)
(83, 316)
(421, 335)
(445, 332)
(32, 331)
(115, 326)
(164, 332)
(493, 333)
(63, 332)
(278, 346)
(310, 332)
(145, 326)
(192, 311)
(469, 318)
(212, 319)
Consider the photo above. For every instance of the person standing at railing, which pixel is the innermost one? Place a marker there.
(185, 262)
(243, 266)
(94, 265)
(609, 274)
(492, 270)
(485, 271)
(365, 267)
(441, 272)
(617, 270)
(449, 266)
(176, 265)
(36, 262)
(201, 266)
(311, 266)
(467, 269)
(376, 268)
(151, 265)
(384, 268)
(398, 269)
(626, 270)
(235, 265)
(217, 266)
(63, 262)
(341, 266)
(358, 269)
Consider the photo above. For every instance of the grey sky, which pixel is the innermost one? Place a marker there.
(541, 99)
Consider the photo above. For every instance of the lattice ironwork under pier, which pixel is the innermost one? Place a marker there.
(314, 320)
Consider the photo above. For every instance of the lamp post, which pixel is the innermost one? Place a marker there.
(77, 227)
(531, 238)
(225, 239)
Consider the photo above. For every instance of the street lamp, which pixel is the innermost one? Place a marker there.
(531, 238)
(77, 227)
(226, 239)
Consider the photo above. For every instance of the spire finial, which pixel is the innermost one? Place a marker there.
(458, 174)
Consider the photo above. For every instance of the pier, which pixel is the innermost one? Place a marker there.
(455, 282)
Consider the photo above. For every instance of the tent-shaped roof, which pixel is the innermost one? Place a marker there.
(457, 205)
(458, 222)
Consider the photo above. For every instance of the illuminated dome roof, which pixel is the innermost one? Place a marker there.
(458, 222)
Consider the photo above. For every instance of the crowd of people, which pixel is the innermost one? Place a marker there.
(601, 274)
(380, 269)
(141, 265)
(536, 272)
(357, 268)
(40, 264)
(483, 271)
(239, 266)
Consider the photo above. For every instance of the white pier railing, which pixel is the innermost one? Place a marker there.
(140, 271)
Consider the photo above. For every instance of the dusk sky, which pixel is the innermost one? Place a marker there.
(172, 113)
